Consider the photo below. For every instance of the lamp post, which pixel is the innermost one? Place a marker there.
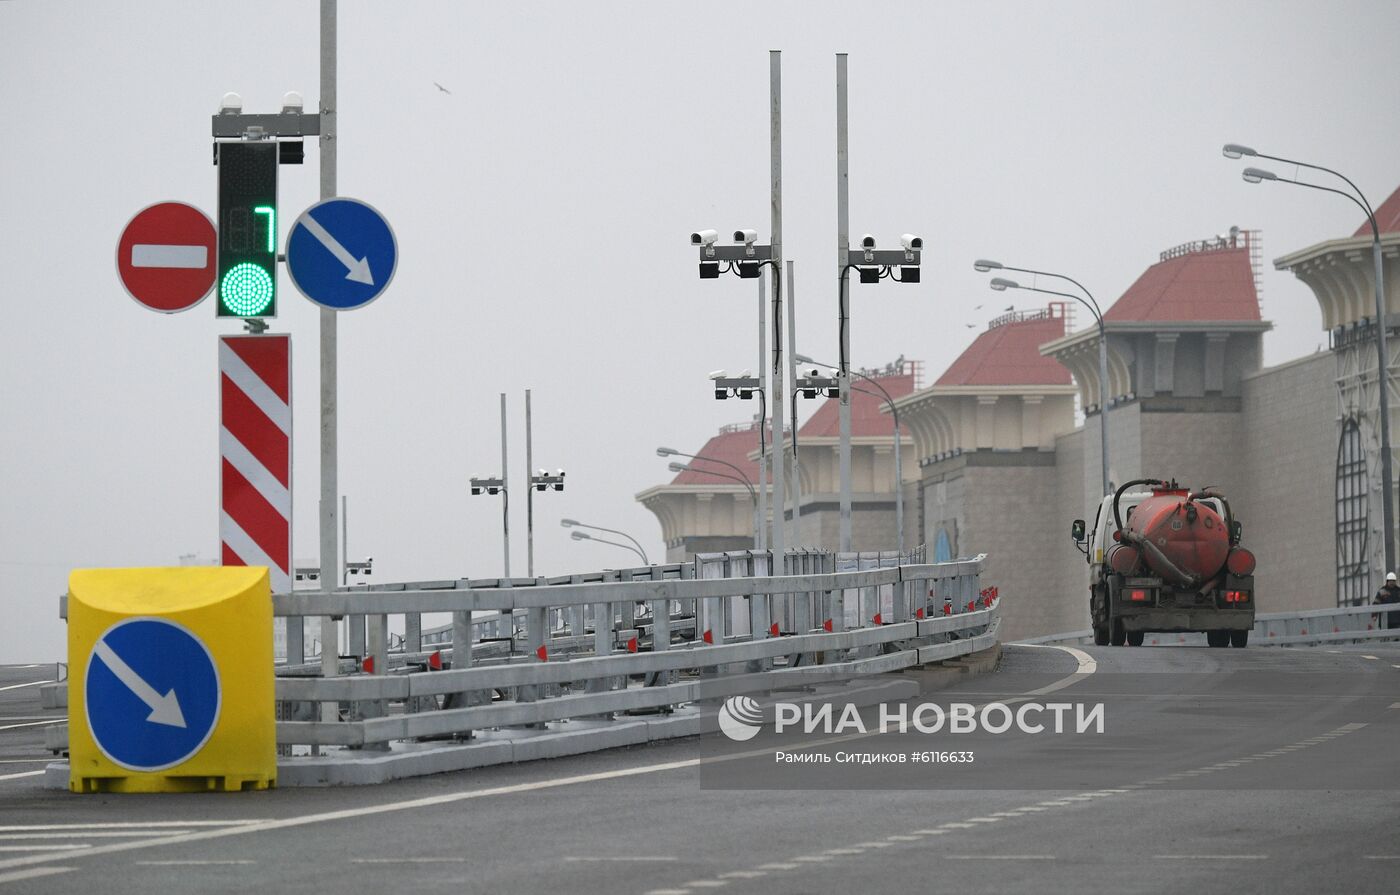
(1258, 175)
(585, 536)
(1000, 284)
(574, 523)
(898, 469)
(742, 478)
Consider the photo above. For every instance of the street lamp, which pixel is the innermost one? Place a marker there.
(585, 536)
(1000, 284)
(1258, 175)
(742, 478)
(574, 523)
(814, 385)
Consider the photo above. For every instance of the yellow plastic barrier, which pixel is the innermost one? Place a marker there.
(170, 685)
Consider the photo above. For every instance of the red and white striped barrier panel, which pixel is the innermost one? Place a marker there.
(255, 451)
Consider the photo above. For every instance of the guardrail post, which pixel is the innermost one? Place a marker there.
(602, 642)
(758, 603)
(578, 614)
(835, 600)
(413, 632)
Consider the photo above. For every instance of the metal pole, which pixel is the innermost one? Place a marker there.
(344, 539)
(1103, 404)
(898, 483)
(529, 495)
(330, 639)
(1383, 381)
(843, 243)
(505, 492)
(761, 508)
(792, 379)
(775, 91)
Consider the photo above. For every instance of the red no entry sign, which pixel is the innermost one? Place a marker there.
(167, 257)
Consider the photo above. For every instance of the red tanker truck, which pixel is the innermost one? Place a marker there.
(1167, 560)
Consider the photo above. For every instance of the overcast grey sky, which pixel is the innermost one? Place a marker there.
(542, 211)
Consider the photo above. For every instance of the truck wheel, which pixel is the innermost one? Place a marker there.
(1100, 637)
(1135, 638)
(1218, 638)
(1239, 638)
(1118, 634)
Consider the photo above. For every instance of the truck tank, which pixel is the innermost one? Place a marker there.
(1178, 537)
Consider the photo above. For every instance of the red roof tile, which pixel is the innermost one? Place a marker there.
(1208, 285)
(1009, 354)
(1387, 217)
(732, 444)
(866, 418)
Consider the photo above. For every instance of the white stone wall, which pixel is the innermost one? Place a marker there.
(1290, 436)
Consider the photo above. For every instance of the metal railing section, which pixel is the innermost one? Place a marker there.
(634, 641)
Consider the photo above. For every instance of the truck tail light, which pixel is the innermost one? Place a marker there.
(1236, 596)
(1138, 596)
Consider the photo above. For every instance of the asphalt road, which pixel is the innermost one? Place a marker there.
(1221, 771)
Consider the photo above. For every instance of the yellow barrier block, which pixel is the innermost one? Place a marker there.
(170, 684)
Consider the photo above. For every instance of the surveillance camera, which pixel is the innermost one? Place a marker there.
(718, 374)
(747, 237)
(704, 238)
(230, 104)
(911, 242)
(867, 242)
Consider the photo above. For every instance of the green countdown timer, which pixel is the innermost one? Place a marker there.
(246, 290)
(247, 228)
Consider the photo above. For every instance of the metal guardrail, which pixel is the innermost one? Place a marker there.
(691, 634)
(1343, 624)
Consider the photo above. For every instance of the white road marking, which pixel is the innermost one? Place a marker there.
(984, 820)
(194, 863)
(844, 851)
(1395, 705)
(873, 844)
(1372, 658)
(1211, 857)
(901, 837)
(68, 846)
(743, 874)
(1382, 857)
(668, 892)
(24, 760)
(588, 859)
(33, 872)
(999, 857)
(957, 825)
(929, 832)
(21, 774)
(48, 721)
(93, 834)
(706, 884)
(453, 860)
(811, 859)
(124, 825)
(30, 684)
(777, 865)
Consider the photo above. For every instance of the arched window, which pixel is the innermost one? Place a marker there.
(1353, 570)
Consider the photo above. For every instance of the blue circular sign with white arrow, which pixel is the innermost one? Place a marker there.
(341, 253)
(152, 693)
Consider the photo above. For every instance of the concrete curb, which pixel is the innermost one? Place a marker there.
(941, 675)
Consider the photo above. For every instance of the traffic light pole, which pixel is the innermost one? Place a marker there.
(330, 640)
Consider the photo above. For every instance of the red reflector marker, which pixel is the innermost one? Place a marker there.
(972, 605)
(708, 636)
(920, 613)
(632, 645)
(435, 661)
(543, 654)
(826, 626)
(367, 666)
(773, 630)
(877, 619)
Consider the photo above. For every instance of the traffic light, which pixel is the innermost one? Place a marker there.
(247, 229)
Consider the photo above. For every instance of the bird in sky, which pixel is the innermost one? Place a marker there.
(970, 325)
(1010, 307)
(978, 308)
(442, 88)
